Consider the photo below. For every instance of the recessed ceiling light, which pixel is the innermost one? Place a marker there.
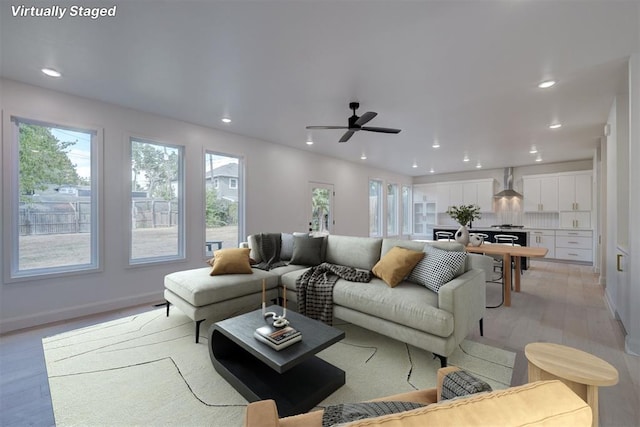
(363, 157)
(415, 165)
(533, 150)
(555, 126)
(539, 158)
(436, 144)
(432, 170)
(466, 158)
(479, 165)
(309, 142)
(546, 84)
(51, 72)
(226, 120)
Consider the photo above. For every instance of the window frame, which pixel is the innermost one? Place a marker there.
(405, 206)
(11, 198)
(380, 210)
(233, 183)
(392, 216)
(241, 195)
(181, 244)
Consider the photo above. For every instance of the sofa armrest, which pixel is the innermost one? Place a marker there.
(465, 298)
(262, 413)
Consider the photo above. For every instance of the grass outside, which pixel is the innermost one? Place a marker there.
(58, 250)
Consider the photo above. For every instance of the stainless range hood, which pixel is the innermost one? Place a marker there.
(508, 190)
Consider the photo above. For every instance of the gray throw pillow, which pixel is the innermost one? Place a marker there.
(307, 250)
(286, 251)
(462, 383)
(437, 267)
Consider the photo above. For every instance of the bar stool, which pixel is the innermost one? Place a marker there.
(444, 236)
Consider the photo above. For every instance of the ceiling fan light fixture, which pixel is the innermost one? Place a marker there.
(546, 84)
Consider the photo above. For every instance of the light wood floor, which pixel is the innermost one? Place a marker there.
(559, 303)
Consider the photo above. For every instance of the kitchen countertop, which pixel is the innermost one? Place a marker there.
(525, 229)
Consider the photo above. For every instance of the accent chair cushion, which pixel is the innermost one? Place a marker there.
(231, 261)
(307, 250)
(437, 267)
(396, 264)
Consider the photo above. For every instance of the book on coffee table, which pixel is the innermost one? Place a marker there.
(277, 338)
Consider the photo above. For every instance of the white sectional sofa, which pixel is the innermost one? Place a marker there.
(408, 312)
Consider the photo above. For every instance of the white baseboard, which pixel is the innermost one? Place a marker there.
(39, 319)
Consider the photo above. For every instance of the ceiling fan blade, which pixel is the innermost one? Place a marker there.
(327, 127)
(381, 130)
(365, 118)
(348, 134)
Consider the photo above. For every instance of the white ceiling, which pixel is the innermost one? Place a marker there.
(464, 72)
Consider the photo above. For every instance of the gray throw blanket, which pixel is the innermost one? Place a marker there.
(314, 289)
(269, 251)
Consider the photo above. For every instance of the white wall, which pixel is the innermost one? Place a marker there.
(276, 185)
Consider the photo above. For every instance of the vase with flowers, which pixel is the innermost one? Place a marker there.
(463, 215)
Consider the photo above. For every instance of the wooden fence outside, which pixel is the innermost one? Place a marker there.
(75, 216)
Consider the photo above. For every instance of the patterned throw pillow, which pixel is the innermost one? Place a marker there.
(461, 383)
(437, 267)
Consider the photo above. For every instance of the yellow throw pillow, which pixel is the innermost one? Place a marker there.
(396, 264)
(231, 261)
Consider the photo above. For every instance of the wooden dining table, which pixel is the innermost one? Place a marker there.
(507, 252)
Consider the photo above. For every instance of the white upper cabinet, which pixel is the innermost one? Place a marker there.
(540, 193)
(477, 192)
(574, 191)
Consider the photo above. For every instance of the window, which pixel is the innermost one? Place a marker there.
(375, 208)
(392, 209)
(54, 199)
(223, 206)
(406, 210)
(156, 202)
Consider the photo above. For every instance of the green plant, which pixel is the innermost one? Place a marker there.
(464, 214)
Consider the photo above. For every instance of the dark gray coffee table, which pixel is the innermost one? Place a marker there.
(294, 377)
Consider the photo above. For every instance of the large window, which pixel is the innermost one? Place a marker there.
(392, 209)
(375, 208)
(54, 198)
(157, 230)
(223, 206)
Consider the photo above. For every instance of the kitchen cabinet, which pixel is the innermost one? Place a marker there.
(448, 194)
(424, 209)
(476, 192)
(575, 219)
(574, 192)
(574, 245)
(540, 193)
(544, 239)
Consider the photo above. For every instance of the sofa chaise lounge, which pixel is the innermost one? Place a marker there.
(408, 312)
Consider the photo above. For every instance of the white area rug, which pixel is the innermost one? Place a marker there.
(147, 370)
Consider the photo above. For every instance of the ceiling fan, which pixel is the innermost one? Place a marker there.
(356, 123)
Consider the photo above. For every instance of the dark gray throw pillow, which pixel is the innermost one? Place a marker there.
(307, 250)
(336, 415)
(461, 383)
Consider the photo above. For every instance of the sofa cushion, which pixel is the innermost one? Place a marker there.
(307, 250)
(231, 261)
(437, 267)
(407, 304)
(396, 264)
(199, 289)
(357, 252)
